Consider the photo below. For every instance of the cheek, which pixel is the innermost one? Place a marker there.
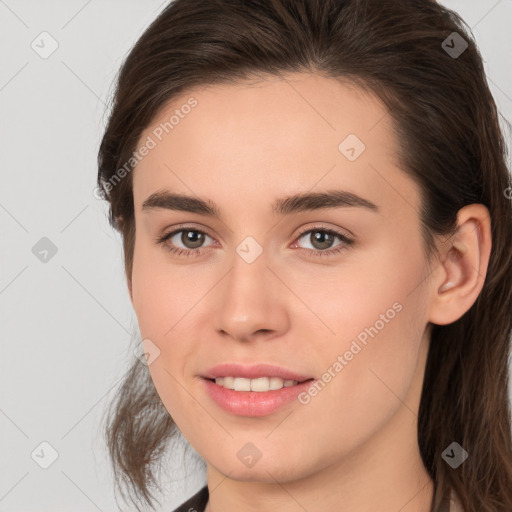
(163, 300)
(374, 370)
(372, 293)
(166, 299)
(163, 293)
(377, 312)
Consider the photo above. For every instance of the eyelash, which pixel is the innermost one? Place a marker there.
(347, 242)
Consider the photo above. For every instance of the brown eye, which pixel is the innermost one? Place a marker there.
(193, 237)
(322, 239)
(184, 241)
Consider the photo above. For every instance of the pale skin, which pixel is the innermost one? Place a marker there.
(354, 446)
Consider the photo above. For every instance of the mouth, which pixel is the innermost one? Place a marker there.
(257, 385)
(241, 396)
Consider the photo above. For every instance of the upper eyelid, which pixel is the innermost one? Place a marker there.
(319, 227)
(187, 228)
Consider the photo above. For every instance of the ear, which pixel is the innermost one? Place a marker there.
(460, 274)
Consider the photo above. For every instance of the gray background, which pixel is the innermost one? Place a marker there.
(66, 324)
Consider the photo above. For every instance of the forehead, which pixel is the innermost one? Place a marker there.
(270, 138)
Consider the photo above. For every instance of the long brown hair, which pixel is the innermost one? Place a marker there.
(405, 52)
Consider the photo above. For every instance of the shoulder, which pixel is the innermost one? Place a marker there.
(196, 503)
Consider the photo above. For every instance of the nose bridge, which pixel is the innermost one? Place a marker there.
(247, 303)
(248, 280)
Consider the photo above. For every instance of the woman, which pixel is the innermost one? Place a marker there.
(314, 204)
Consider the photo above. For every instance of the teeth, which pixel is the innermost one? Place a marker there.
(261, 384)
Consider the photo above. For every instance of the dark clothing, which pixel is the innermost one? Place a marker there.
(196, 503)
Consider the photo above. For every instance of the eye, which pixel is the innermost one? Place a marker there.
(322, 238)
(193, 239)
(190, 237)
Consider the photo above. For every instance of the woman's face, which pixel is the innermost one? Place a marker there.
(274, 281)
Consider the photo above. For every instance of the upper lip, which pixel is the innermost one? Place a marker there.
(253, 372)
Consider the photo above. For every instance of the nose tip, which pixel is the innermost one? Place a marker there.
(244, 304)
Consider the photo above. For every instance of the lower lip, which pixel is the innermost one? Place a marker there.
(254, 403)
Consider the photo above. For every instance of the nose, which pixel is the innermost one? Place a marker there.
(251, 302)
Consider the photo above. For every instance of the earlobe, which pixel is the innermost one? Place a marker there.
(462, 267)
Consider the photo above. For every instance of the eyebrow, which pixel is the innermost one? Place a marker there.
(301, 202)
